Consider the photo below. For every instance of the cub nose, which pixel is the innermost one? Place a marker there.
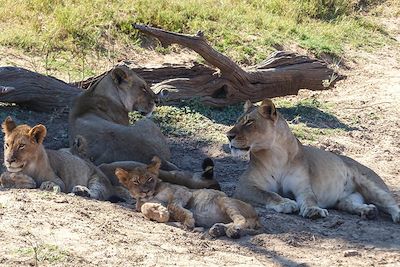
(11, 160)
(230, 136)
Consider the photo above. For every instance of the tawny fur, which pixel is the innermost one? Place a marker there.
(100, 115)
(201, 207)
(30, 165)
(280, 167)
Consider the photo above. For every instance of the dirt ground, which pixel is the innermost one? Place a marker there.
(49, 229)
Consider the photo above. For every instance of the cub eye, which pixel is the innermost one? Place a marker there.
(21, 146)
(6, 145)
(150, 179)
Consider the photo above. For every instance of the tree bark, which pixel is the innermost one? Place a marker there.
(281, 74)
(35, 91)
(227, 83)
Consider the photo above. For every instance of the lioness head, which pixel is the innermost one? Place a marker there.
(130, 90)
(141, 181)
(255, 129)
(21, 144)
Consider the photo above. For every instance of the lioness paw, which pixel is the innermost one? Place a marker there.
(396, 217)
(50, 186)
(313, 212)
(81, 191)
(286, 206)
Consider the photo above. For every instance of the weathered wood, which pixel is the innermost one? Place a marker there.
(226, 83)
(281, 74)
(35, 91)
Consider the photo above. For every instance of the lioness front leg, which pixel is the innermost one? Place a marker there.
(17, 180)
(155, 211)
(308, 204)
(271, 200)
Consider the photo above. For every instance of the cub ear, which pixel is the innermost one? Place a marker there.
(122, 175)
(247, 105)
(118, 74)
(8, 125)
(38, 133)
(154, 165)
(267, 109)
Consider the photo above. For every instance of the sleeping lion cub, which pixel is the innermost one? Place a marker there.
(162, 202)
(280, 167)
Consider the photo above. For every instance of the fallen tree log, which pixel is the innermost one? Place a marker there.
(35, 91)
(226, 83)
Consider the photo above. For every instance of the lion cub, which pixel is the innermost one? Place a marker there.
(162, 202)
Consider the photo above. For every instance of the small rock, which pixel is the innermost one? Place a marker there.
(351, 253)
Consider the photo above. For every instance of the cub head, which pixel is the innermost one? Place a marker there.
(141, 181)
(21, 144)
(132, 91)
(255, 129)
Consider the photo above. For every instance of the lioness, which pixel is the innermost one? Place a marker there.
(30, 165)
(317, 179)
(162, 202)
(100, 115)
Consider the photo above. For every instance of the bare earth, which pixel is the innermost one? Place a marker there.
(61, 230)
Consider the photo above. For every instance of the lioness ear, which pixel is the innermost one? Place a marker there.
(8, 125)
(118, 75)
(247, 105)
(267, 109)
(122, 175)
(154, 165)
(38, 133)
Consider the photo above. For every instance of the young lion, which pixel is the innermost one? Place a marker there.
(317, 179)
(30, 165)
(162, 202)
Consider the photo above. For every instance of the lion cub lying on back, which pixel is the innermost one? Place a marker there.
(164, 202)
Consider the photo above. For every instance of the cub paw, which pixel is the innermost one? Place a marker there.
(217, 230)
(189, 223)
(156, 212)
(16, 180)
(314, 212)
(81, 191)
(50, 186)
(233, 232)
(286, 206)
(369, 212)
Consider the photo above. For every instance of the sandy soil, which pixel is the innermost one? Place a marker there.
(46, 229)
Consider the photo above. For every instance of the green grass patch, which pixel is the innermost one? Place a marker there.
(308, 118)
(44, 253)
(247, 31)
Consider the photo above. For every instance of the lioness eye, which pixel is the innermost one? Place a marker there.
(6, 145)
(150, 179)
(249, 122)
(22, 146)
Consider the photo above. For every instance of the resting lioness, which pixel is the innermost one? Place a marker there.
(100, 115)
(30, 165)
(164, 202)
(317, 179)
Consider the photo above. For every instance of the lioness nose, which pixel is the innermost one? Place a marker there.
(157, 99)
(230, 136)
